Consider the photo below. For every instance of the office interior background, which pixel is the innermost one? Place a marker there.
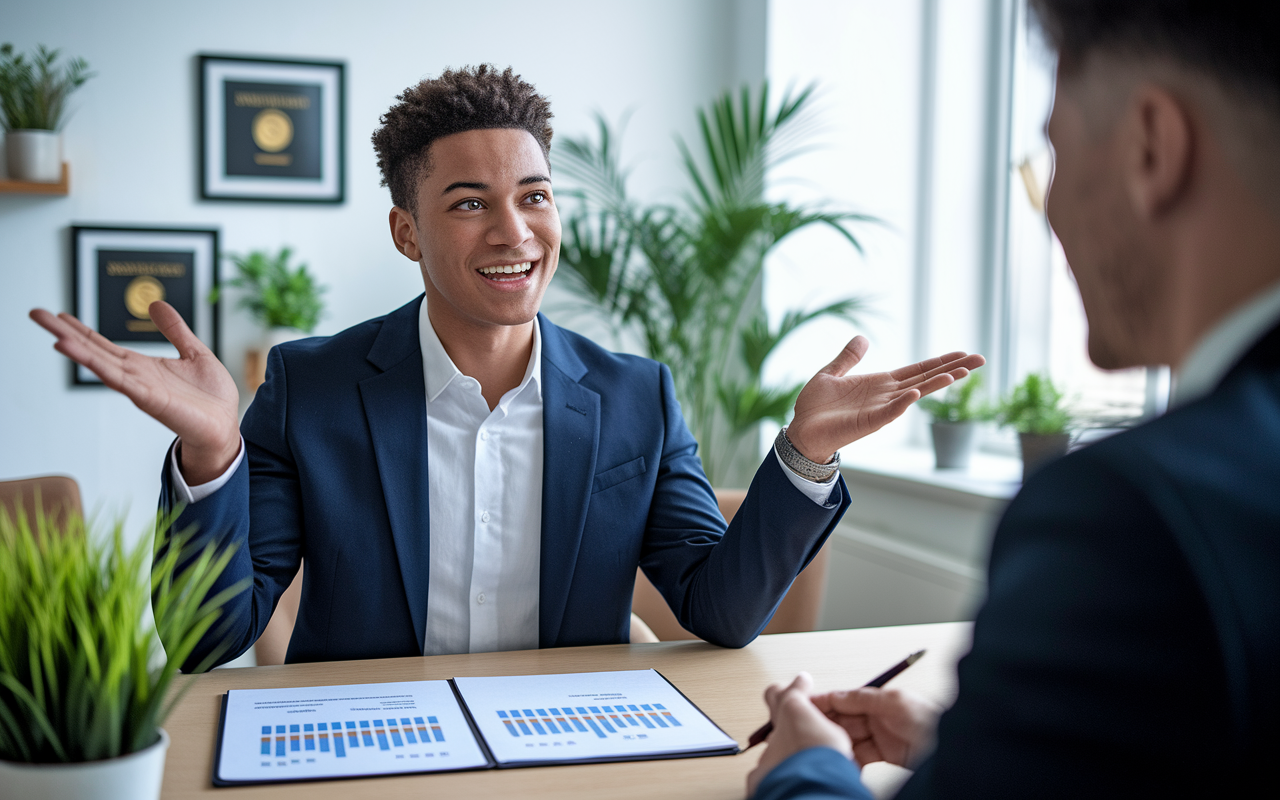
(930, 119)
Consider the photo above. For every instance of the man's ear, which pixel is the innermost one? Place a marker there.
(1160, 149)
(404, 233)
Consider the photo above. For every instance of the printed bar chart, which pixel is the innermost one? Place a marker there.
(601, 721)
(387, 734)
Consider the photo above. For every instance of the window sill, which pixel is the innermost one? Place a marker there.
(989, 477)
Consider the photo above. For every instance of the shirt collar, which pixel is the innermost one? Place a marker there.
(1219, 350)
(438, 370)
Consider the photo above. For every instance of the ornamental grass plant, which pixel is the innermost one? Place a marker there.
(79, 679)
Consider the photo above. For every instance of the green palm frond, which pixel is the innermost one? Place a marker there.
(685, 278)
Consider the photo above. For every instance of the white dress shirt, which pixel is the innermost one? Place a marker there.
(485, 476)
(1219, 349)
(485, 494)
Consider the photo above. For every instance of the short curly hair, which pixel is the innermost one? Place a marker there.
(467, 99)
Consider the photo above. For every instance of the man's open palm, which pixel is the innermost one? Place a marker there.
(836, 408)
(193, 396)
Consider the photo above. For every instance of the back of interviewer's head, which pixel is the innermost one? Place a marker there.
(1232, 41)
(1220, 55)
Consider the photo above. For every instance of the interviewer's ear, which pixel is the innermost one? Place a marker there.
(1160, 150)
(404, 233)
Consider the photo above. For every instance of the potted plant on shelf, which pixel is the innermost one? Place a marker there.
(33, 102)
(284, 300)
(1035, 410)
(81, 695)
(683, 280)
(956, 416)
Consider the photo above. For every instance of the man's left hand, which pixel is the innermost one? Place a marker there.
(835, 408)
(797, 725)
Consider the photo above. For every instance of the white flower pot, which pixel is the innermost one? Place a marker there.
(136, 776)
(34, 155)
(275, 336)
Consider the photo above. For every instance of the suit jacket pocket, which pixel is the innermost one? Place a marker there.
(623, 472)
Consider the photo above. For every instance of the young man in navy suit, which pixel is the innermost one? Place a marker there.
(1129, 644)
(461, 475)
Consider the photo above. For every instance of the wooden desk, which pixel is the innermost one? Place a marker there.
(726, 684)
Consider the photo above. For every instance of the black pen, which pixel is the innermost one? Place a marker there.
(875, 683)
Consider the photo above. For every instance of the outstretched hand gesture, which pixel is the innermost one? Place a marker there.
(835, 408)
(193, 396)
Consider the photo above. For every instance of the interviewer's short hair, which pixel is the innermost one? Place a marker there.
(1233, 41)
(467, 99)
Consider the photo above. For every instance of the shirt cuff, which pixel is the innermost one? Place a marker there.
(182, 493)
(819, 493)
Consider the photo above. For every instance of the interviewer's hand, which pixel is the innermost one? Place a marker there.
(835, 408)
(797, 725)
(193, 396)
(883, 724)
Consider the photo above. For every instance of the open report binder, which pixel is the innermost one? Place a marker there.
(362, 730)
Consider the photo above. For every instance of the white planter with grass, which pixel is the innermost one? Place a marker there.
(34, 155)
(136, 776)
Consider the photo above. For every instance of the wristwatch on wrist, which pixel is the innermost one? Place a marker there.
(802, 466)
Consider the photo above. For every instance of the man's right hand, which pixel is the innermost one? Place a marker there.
(883, 724)
(193, 396)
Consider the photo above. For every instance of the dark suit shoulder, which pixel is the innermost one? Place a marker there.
(604, 367)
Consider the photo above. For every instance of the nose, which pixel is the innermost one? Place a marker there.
(508, 228)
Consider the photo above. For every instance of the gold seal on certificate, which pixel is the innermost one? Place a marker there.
(272, 130)
(141, 292)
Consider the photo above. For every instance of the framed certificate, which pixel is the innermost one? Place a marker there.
(117, 273)
(271, 130)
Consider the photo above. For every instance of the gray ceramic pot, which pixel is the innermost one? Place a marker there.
(1039, 449)
(953, 443)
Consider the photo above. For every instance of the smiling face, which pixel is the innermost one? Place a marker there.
(486, 232)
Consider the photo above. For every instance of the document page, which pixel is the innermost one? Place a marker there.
(588, 716)
(344, 731)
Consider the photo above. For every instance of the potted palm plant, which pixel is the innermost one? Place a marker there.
(683, 280)
(82, 696)
(956, 416)
(33, 103)
(1036, 411)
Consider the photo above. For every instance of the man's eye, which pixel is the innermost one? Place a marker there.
(470, 205)
(538, 197)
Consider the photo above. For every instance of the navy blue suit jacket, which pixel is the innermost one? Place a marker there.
(1129, 645)
(336, 473)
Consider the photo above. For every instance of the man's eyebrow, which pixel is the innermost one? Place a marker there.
(535, 179)
(479, 187)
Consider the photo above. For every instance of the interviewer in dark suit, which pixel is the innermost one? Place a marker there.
(1129, 645)
(462, 475)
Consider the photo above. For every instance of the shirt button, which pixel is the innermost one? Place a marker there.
(480, 598)
(484, 517)
(484, 436)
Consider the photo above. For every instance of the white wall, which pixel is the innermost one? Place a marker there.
(132, 148)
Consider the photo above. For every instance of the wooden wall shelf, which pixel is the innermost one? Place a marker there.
(62, 187)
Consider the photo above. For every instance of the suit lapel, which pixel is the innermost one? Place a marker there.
(396, 410)
(571, 435)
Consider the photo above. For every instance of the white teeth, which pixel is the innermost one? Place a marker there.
(507, 269)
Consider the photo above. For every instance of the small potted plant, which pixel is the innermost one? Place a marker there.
(956, 416)
(33, 103)
(1035, 410)
(285, 301)
(82, 697)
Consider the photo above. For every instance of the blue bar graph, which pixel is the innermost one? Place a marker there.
(266, 740)
(407, 725)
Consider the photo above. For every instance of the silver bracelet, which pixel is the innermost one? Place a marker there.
(800, 464)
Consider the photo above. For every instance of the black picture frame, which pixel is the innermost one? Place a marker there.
(272, 129)
(116, 271)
